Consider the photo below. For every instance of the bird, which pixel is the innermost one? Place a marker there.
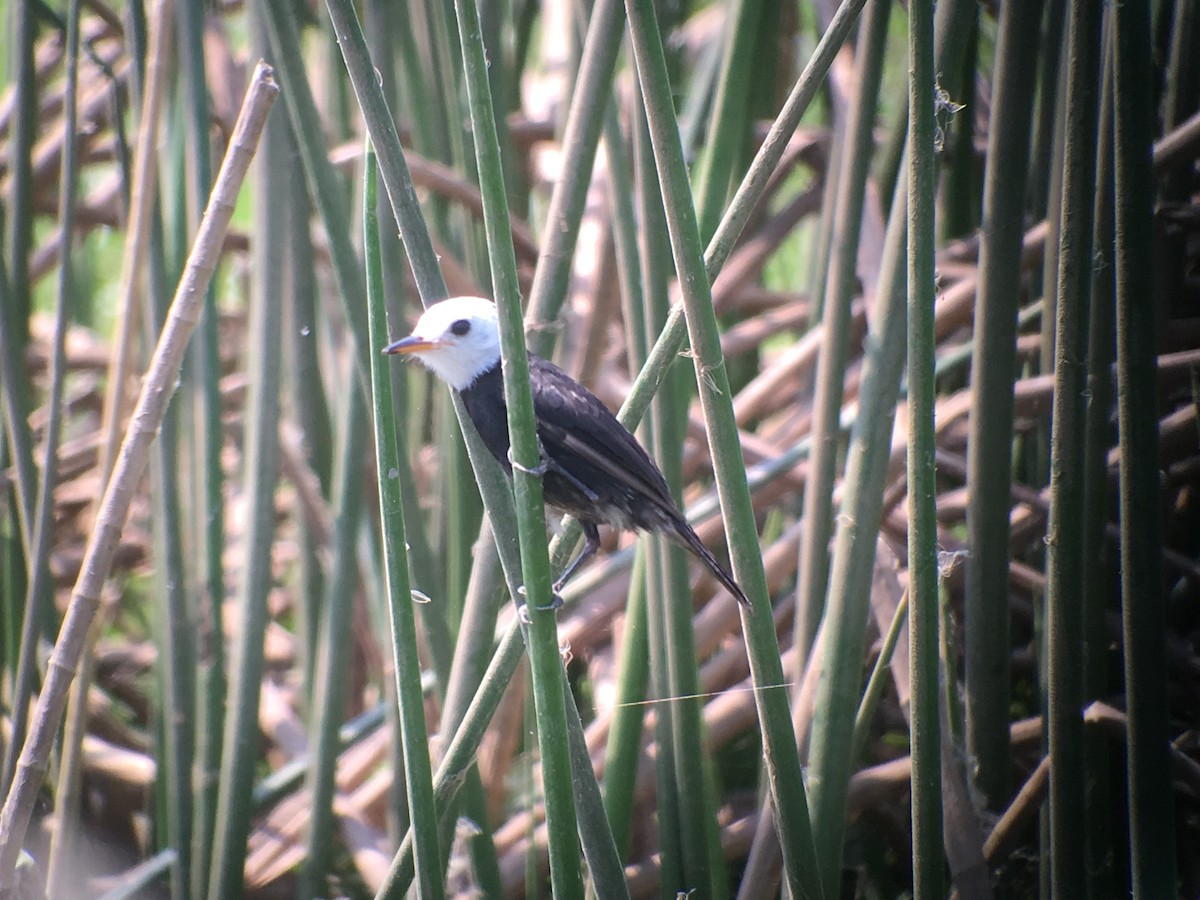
(592, 467)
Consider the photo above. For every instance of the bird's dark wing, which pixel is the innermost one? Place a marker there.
(580, 434)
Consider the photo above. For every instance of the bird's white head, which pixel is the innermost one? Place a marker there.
(458, 339)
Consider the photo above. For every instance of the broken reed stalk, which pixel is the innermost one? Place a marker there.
(156, 393)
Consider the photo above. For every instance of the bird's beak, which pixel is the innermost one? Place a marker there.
(411, 344)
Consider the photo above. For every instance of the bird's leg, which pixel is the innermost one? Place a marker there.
(548, 464)
(591, 544)
(575, 482)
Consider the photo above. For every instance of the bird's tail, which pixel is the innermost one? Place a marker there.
(688, 537)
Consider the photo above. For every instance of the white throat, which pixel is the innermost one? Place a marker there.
(458, 370)
(459, 359)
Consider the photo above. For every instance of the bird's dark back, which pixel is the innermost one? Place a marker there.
(587, 446)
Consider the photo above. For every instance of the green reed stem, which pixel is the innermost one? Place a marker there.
(585, 119)
(867, 456)
(730, 114)
(1151, 822)
(1064, 600)
(460, 755)
(989, 449)
(542, 632)
(925, 731)
(418, 776)
(333, 646)
(240, 752)
(779, 744)
(839, 289)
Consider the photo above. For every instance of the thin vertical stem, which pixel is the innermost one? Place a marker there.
(1044, 119)
(1151, 822)
(209, 437)
(240, 751)
(39, 538)
(779, 742)
(542, 633)
(928, 860)
(585, 120)
(40, 585)
(309, 403)
(625, 732)
(655, 267)
(839, 288)
(418, 777)
(333, 645)
(731, 110)
(19, 213)
(15, 386)
(844, 624)
(1064, 600)
(958, 200)
(1097, 496)
(680, 732)
(989, 450)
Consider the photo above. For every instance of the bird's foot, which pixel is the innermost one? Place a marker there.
(556, 602)
(537, 471)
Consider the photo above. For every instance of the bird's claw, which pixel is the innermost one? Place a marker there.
(537, 471)
(556, 602)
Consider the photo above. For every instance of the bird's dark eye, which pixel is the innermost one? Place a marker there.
(461, 327)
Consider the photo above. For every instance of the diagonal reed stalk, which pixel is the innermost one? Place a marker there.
(131, 464)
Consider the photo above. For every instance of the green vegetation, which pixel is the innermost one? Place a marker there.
(928, 384)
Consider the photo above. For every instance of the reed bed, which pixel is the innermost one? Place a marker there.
(259, 622)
